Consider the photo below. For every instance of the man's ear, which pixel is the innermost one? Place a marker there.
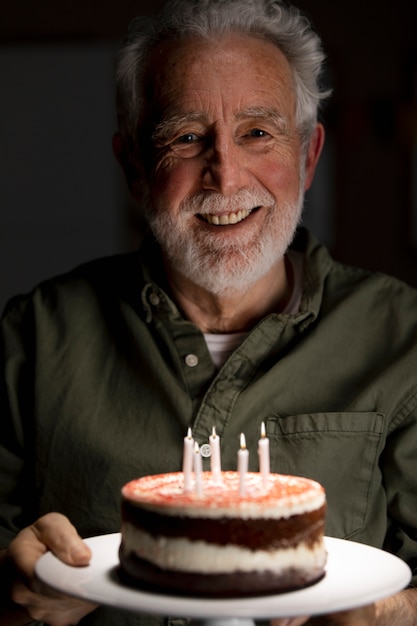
(313, 154)
(129, 168)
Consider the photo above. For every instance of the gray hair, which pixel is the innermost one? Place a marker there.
(273, 20)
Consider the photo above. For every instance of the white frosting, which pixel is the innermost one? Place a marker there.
(284, 496)
(206, 558)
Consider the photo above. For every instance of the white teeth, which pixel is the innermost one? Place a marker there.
(226, 219)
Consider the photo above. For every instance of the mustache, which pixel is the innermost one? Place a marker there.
(213, 202)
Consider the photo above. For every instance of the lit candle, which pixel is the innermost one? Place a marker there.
(198, 470)
(215, 461)
(242, 464)
(263, 452)
(187, 460)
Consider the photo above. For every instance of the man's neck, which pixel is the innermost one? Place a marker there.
(235, 311)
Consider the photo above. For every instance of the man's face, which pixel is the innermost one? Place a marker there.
(227, 175)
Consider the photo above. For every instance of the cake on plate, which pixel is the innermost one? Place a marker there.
(216, 542)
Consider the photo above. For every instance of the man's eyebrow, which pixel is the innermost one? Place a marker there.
(265, 114)
(169, 125)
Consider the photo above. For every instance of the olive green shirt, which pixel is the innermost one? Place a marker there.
(99, 388)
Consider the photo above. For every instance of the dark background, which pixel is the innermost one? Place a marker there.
(62, 197)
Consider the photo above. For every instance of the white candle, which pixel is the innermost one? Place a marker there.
(242, 464)
(198, 470)
(263, 452)
(187, 460)
(215, 460)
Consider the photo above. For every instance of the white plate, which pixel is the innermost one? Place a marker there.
(355, 575)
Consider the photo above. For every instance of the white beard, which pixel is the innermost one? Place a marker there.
(214, 263)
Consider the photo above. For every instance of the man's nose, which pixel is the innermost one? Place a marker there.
(226, 168)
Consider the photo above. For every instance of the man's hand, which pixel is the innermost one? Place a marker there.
(52, 532)
(363, 616)
(397, 610)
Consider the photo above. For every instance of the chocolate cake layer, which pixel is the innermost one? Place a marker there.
(139, 573)
(254, 534)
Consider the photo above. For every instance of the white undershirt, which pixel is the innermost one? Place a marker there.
(221, 345)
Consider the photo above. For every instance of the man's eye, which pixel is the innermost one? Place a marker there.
(187, 138)
(258, 132)
(187, 145)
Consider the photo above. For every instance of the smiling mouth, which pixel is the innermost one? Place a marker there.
(225, 219)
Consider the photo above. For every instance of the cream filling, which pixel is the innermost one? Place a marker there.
(181, 554)
(226, 219)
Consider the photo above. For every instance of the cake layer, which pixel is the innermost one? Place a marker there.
(138, 572)
(262, 533)
(181, 554)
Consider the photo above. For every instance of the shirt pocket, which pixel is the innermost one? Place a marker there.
(339, 450)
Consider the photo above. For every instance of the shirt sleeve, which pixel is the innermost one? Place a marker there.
(16, 487)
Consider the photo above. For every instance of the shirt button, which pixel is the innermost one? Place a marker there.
(191, 360)
(154, 299)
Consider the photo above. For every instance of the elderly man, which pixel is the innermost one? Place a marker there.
(220, 318)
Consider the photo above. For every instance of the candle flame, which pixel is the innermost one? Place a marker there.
(263, 431)
(196, 448)
(213, 432)
(189, 434)
(242, 441)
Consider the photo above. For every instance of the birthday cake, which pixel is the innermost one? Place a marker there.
(216, 542)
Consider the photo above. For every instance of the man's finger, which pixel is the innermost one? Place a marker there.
(56, 531)
(51, 532)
